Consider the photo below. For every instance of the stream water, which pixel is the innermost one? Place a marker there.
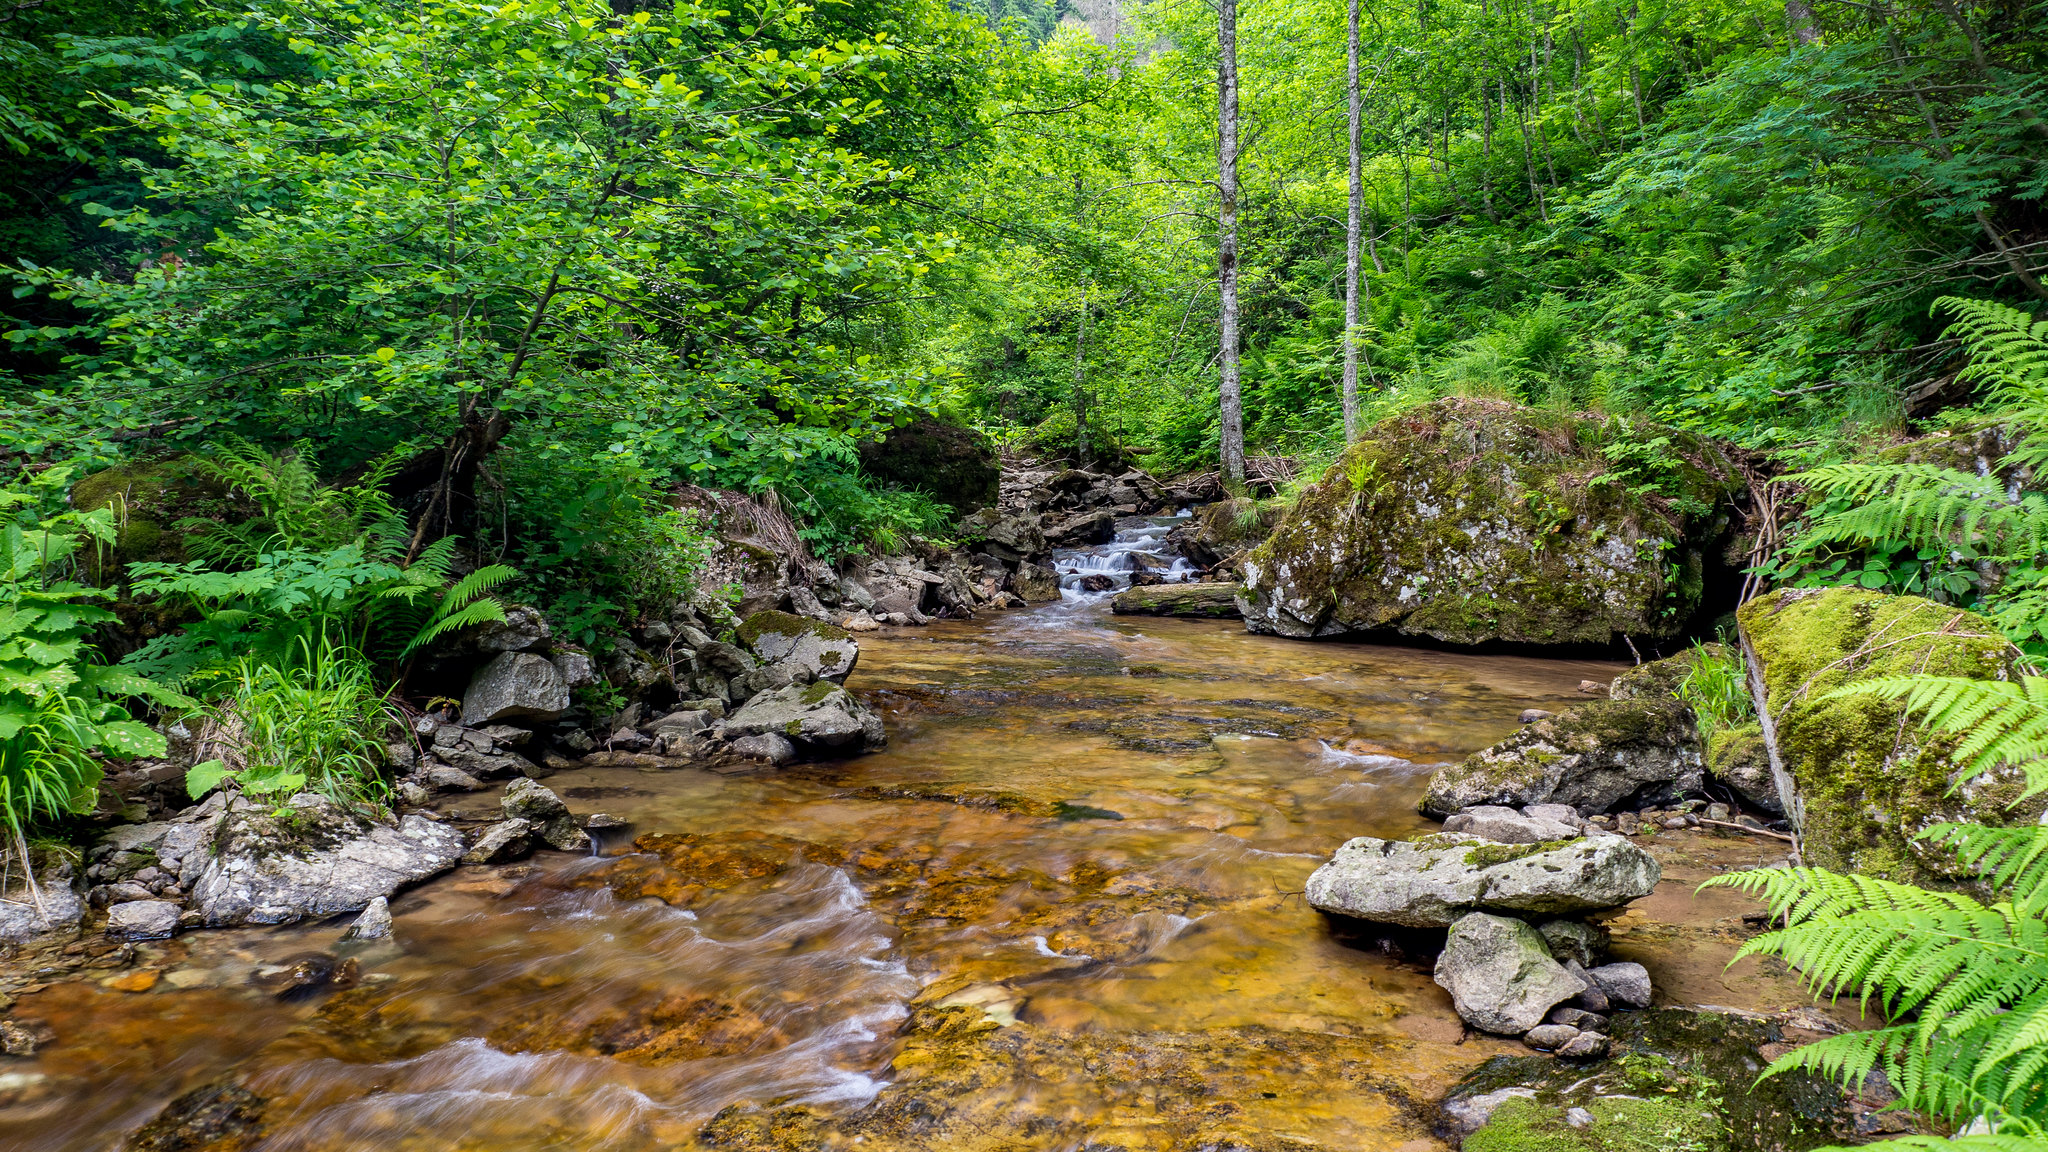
(1059, 912)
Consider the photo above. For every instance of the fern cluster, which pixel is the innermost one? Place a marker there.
(1966, 530)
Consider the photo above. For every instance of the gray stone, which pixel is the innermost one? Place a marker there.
(522, 629)
(516, 685)
(1625, 984)
(1548, 1036)
(1578, 1018)
(576, 669)
(485, 765)
(1507, 826)
(1035, 583)
(143, 920)
(314, 860)
(689, 721)
(1573, 940)
(1532, 715)
(855, 594)
(563, 835)
(1592, 999)
(1500, 977)
(819, 720)
(527, 800)
(1578, 1117)
(820, 651)
(21, 920)
(442, 778)
(773, 747)
(1432, 881)
(1584, 1046)
(1562, 813)
(373, 924)
(1594, 757)
(505, 840)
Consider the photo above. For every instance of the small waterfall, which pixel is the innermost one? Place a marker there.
(1089, 574)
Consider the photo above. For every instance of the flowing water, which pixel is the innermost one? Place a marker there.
(1061, 911)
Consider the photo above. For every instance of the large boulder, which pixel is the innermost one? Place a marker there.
(954, 465)
(1011, 538)
(1035, 583)
(1433, 881)
(818, 650)
(515, 686)
(1857, 776)
(1470, 521)
(1595, 757)
(1500, 974)
(312, 858)
(1200, 601)
(820, 720)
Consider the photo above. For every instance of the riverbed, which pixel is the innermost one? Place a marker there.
(1061, 911)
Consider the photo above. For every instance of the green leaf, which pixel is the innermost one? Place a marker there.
(205, 777)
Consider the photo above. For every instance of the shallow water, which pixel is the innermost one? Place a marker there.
(1060, 911)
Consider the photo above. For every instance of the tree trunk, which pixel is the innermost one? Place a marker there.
(1352, 277)
(1231, 400)
(1799, 17)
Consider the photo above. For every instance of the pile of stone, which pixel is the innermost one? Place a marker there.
(1517, 891)
(533, 815)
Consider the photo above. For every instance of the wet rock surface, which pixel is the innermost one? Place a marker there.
(311, 859)
(1595, 757)
(1194, 601)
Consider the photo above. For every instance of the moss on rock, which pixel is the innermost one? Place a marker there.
(1679, 1081)
(150, 497)
(1475, 520)
(1866, 778)
(1199, 601)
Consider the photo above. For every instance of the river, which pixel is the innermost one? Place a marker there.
(1061, 911)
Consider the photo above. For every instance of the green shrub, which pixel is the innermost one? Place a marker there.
(1717, 688)
(58, 704)
(314, 719)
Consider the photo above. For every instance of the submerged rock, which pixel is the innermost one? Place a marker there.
(265, 866)
(1470, 521)
(1200, 601)
(1433, 881)
(373, 924)
(819, 720)
(220, 1117)
(1594, 757)
(1854, 774)
(1500, 976)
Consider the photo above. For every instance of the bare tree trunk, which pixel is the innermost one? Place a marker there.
(1799, 17)
(1080, 364)
(1231, 399)
(1352, 278)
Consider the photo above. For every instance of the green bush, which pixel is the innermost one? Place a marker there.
(315, 719)
(58, 704)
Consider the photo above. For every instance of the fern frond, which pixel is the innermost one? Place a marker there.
(1998, 723)
(2008, 347)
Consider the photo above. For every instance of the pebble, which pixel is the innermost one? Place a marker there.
(184, 978)
(139, 981)
(1584, 1046)
(1578, 1018)
(1532, 715)
(1549, 1037)
(1719, 812)
(1578, 1118)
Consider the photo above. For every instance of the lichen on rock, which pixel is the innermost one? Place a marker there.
(1858, 777)
(1471, 521)
(1594, 757)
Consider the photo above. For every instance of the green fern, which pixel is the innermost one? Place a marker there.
(1955, 520)
(295, 510)
(2000, 723)
(464, 605)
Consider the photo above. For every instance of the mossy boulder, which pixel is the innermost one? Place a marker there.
(1196, 601)
(1596, 757)
(1433, 881)
(1659, 679)
(1737, 758)
(1679, 1080)
(954, 465)
(821, 651)
(150, 497)
(1855, 774)
(822, 721)
(1474, 521)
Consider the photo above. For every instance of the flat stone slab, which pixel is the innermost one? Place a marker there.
(1433, 881)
